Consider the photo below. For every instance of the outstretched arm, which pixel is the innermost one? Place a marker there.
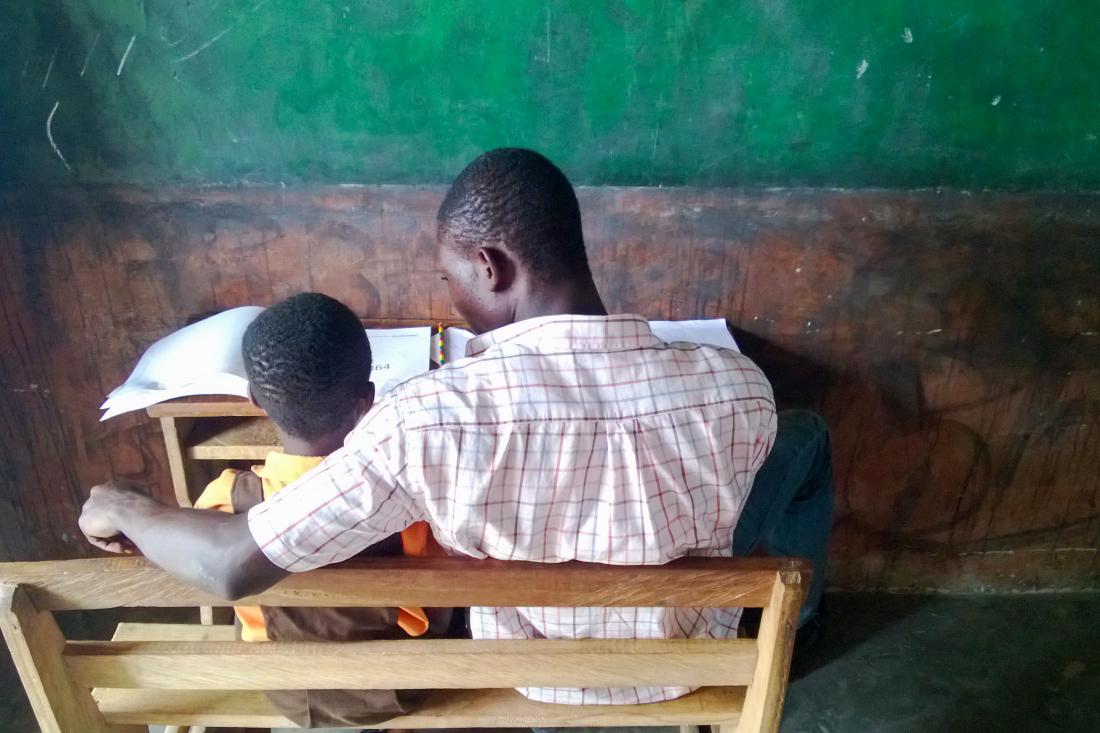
(208, 549)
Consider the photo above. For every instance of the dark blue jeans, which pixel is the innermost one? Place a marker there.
(790, 507)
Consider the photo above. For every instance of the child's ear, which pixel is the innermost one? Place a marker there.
(366, 398)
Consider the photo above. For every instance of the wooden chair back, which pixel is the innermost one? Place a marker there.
(176, 674)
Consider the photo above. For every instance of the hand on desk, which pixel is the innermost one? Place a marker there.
(207, 549)
(100, 517)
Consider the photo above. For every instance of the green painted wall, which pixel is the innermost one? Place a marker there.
(977, 94)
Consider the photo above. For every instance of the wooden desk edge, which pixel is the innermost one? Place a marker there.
(208, 407)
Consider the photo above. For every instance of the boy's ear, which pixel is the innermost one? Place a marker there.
(366, 397)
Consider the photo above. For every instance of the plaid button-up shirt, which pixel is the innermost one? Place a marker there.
(558, 438)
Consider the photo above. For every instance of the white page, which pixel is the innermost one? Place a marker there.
(712, 331)
(708, 331)
(398, 354)
(454, 343)
(139, 399)
(203, 358)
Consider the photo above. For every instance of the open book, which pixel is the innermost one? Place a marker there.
(711, 331)
(205, 357)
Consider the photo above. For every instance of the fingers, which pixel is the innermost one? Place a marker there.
(111, 546)
(117, 545)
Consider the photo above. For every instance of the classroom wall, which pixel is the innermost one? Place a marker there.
(951, 341)
(833, 93)
(894, 203)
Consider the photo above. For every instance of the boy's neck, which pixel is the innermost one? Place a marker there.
(322, 446)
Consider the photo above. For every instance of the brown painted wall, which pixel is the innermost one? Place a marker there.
(952, 340)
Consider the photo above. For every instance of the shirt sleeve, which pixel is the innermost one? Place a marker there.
(218, 494)
(352, 500)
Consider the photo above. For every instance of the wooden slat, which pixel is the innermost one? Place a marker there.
(411, 664)
(175, 430)
(441, 582)
(205, 407)
(173, 632)
(778, 623)
(36, 643)
(232, 439)
(442, 709)
(216, 708)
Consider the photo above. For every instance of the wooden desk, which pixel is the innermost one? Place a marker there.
(210, 429)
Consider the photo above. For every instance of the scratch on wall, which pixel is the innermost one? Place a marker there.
(49, 68)
(547, 34)
(49, 136)
(89, 56)
(218, 36)
(125, 55)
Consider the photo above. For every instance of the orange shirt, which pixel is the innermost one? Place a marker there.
(279, 470)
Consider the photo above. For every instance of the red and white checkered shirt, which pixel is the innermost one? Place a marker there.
(561, 438)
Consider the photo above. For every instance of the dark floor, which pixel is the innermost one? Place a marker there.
(952, 664)
(947, 664)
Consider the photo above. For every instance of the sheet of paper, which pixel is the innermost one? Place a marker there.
(454, 343)
(398, 354)
(203, 358)
(711, 331)
(707, 331)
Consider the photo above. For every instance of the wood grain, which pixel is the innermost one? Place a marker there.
(233, 439)
(411, 664)
(950, 340)
(35, 642)
(205, 407)
(173, 632)
(176, 431)
(442, 709)
(764, 700)
(403, 581)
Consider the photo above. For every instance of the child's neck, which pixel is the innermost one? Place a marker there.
(303, 447)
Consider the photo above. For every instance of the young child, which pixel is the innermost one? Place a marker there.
(308, 363)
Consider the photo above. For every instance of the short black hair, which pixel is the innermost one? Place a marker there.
(516, 198)
(307, 360)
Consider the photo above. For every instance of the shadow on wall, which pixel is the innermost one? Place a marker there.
(950, 340)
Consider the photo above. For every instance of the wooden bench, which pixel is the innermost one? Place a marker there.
(192, 675)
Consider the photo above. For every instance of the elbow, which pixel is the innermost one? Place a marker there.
(229, 582)
(248, 575)
(243, 570)
(235, 588)
(224, 583)
(240, 581)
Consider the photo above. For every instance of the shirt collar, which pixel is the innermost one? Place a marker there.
(286, 466)
(571, 333)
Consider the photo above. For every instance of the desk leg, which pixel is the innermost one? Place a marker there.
(175, 432)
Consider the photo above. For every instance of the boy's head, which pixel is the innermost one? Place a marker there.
(308, 364)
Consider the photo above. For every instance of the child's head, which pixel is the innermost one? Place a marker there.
(308, 364)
